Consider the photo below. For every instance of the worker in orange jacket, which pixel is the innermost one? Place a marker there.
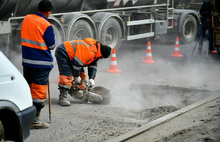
(71, 57)
(37, 39)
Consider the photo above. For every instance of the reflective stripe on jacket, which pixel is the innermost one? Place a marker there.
(83, 53)
(37, 39)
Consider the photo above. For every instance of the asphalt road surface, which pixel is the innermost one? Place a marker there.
(140, 94)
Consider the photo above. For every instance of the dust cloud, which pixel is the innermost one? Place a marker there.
(124, 97)
(186, 77)
(12, 51)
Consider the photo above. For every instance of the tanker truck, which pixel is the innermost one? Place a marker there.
(109, 21)
(190, 4)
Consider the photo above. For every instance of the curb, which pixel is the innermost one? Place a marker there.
(163, 119)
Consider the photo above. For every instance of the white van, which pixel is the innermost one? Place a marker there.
(16, 107)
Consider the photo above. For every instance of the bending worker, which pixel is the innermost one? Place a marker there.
(71, 57)
(37, 39)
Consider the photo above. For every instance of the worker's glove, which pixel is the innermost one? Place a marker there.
(92, 82)
(77, 80)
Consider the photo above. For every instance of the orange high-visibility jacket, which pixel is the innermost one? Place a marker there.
(84, 53)
(37, 39)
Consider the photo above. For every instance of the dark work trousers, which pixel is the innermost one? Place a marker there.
(63, 61)
(37, 76)
(203, 27)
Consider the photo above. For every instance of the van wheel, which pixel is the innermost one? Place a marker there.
(2, 132)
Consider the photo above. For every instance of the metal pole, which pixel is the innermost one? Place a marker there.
(49, 99)
(194, 47)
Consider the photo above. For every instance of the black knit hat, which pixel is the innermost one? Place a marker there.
(45, 5)
(105, 51)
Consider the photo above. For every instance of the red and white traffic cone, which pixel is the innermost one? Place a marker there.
(113, 67)
(148, 58)
(176, 52)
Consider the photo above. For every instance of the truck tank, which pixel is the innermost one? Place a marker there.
(145, 2)
(24, 7)
(6, 8)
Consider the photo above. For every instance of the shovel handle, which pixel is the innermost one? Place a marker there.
(49, 99)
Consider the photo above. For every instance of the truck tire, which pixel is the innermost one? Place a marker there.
(58, 35)
(111, 33)
(81, 29)
(58, 31)
(189, 29)
(2, 132)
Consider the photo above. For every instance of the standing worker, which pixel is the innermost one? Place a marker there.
(206, 24)
(37, 39)
(71, 57)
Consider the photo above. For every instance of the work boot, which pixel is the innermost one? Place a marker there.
(63, 97)
(37, 124)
